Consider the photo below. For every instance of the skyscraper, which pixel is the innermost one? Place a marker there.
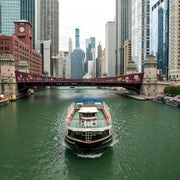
(77, 63)
(90, 56)
(77, 45)
(159, 34)
(77, 58)
(90, 48)
(27, 12)
(140, 32)
(174, 39)
(123, 31)
(68, 59)
(47, 29)
(110, 48)
(49, 23)
(9, 12)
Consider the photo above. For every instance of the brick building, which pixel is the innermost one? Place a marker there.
(20, 46)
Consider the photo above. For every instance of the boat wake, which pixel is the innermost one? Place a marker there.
(115, 141)
(90, 156)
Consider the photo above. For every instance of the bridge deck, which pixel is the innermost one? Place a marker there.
(130, 81)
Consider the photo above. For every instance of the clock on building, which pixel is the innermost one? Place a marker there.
(21, 29)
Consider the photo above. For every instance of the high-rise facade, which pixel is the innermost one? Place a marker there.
(174, 39)
(90, 48)
(140, 32)
(46, 58)
(123, 31)
(77, 63)
(49, 23)
(90, 63)
(77, 45)
(68, 59)
(110, 48)
(77, 57)
(159, 45)
(9, 12)
(98, 60)
(27, 12)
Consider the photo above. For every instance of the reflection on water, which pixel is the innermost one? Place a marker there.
(145, 146)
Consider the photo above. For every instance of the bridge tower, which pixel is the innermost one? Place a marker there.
(150, 70)
(151, 86)
(7, 76)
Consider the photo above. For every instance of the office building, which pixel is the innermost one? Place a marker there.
(63, 57)
(77, 57)
(47, 29)
(77, 63)
(174, 39)
(9, 12)
(49, 23)
(77, 38)
(90, 48)
(110, 48)
(46, 58)
(68, 59)
(90, 56)
(140, 32)
(160, 34)
(123, 31)
(27, 12)
(98, 60)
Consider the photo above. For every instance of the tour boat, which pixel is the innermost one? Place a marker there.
(89, 126)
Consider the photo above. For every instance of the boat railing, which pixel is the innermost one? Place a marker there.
(89, 124)
(98, 106)
(106, 108)
(70, 108)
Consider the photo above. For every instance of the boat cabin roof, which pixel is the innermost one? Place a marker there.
(88, 110)
(88, 100)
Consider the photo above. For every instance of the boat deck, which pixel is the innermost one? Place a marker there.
(99, 123)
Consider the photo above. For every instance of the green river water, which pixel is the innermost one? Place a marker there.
(146, 142)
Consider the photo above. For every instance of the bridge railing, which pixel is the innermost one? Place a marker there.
(22, 77)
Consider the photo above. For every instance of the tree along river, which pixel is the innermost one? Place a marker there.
(146, 142)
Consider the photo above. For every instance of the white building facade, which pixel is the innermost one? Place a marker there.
(140, 32)
(110, 48)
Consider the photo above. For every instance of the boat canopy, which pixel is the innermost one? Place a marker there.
(88, 100)
(88, 110)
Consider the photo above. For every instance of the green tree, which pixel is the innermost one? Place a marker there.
(172, 90)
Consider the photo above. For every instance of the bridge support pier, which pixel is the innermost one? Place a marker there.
(151, 86)
(152, 89)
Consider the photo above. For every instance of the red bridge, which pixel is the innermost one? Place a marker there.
(130, 81)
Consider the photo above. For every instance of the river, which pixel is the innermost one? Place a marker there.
(146, 142)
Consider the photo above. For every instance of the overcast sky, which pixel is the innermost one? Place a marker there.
(89, 16)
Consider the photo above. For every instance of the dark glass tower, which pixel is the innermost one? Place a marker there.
(160, 34)
(9, 12)
(77, 38)
(27, 12)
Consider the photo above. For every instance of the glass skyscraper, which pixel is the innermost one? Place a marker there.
(27, 12)
(159, 34)
(140, 32)
(90, 47)
(77, 63)
(77, 45)
(9, 12)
